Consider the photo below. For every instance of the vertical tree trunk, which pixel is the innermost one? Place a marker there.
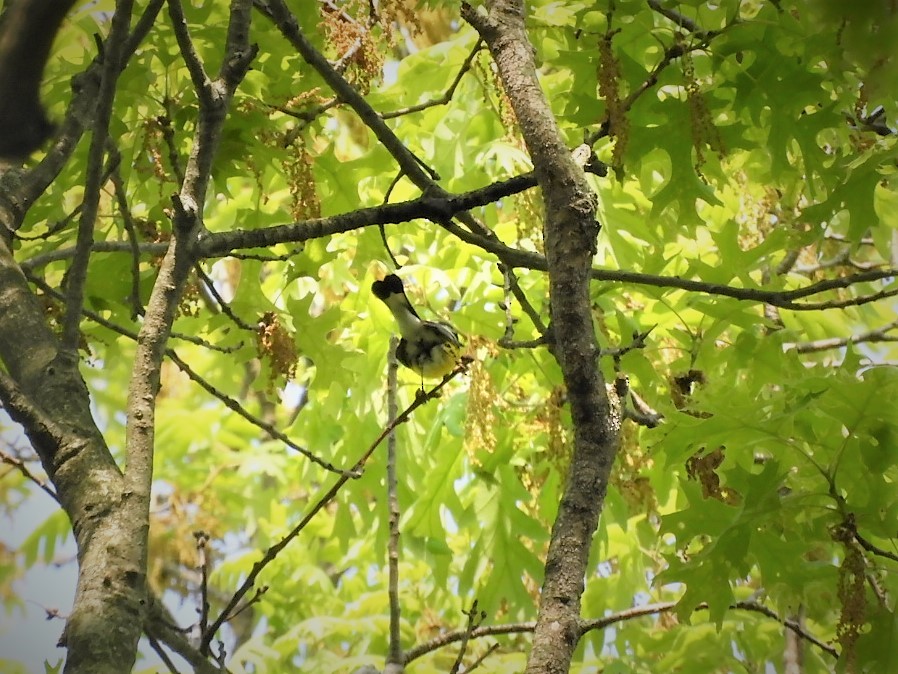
(570, 230)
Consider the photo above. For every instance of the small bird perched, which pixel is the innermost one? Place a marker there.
(430, 348)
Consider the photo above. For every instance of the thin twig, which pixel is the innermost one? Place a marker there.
(871, 336)
(255, 599)
(202, 84)
(280, 14)
(168, 135)
(492, 648)
(113, 61)
(446, 98)
(206, 344)
(681, 20)
(25, 187)
(222, 304)
(513, 289)
(44, 259)
(873, 549)
(475, 618)
(601, 623)
(159, 624)
(234, 406)
(850, 525)
(381, 228)
(394, 652)
(638, 342)
(202, 542)
(22, 467)
(156, 646)
(124, 208)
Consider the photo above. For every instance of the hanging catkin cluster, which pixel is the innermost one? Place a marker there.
(609, 75)
(704, 133)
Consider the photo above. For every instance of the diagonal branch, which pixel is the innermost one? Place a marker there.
(277, 11)
(272, 552)
(202, 84)
(174, 272)
(113, 60)
(23, 468)
(446, 98)
(226, 400)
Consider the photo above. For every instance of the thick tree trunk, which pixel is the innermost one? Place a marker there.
(44, 392)
(570, 230)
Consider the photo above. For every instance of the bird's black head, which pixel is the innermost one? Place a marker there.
(391, 285)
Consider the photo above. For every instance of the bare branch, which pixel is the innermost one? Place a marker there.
(446, 98)
(569, 232)
(448, 638)
(202, 549)
(625, 615)
(121, 198)
(873, 549)
(223, 306)
(234, 406)
(113, 60)
(22, 467)
(483, 656)
(202, 84)
(160, 625)
(178, 261)
(26, 36)
(42, 260)
(168, 135)
(513, 289)
(793, 625)
(475, 618)
(394, 652)
(157, 647)
(21, 189)
(42, 429)
(680, 19)
(871, 336)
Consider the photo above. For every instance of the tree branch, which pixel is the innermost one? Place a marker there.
(446, 98)
(394, 652)
(202, 85)
(161, 625)
(19, 189)
(113, 60)
(279, 13)
(173, 275)
(17, 463)
(606, 621)
(871, 336)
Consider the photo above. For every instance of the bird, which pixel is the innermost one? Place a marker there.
(430, 348)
